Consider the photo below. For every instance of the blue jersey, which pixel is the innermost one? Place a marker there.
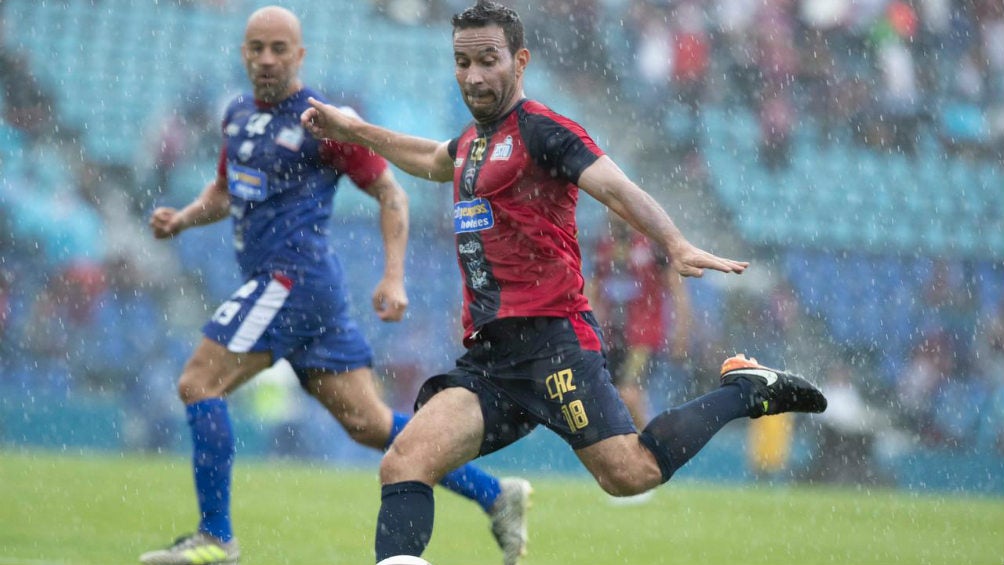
(282, 182)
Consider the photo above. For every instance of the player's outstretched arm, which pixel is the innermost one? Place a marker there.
(212, 205)
(604, 181)
(417, 156)
(389, 298)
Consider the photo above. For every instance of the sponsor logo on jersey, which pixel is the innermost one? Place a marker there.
(246, 150)
(472, 215)
(502, 151)
(479, 279)
(257, 123)
(469, 248)
(247, 183)
(469, 173)
(478, 149)
(290, 137)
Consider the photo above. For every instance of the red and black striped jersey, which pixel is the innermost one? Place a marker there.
(515, 193)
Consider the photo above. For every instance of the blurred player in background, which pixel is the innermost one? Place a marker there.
(278, 185)
(644, 311)
(643, 308)
(535, 351)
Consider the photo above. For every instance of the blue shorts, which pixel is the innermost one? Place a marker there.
(302, 319)
(530, 371)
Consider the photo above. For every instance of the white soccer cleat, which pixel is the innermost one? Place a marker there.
(508, 516)
(633, 500)
(404, 560)
(194, 549)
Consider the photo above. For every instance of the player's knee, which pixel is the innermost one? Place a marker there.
(196, 382)
(623, 484)
(625, 479)
(364, 431)
(191, 391)
(404, 463)
(393, 466)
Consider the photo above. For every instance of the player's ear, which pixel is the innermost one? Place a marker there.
(522, 59)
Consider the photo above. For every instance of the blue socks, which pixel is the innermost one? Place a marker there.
(468, 481)
(676, 435)
(212, 461)
(213, 457)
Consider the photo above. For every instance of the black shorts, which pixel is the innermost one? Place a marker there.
(530, 371)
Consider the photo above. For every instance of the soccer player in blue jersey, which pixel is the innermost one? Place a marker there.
(534, 349)
(277, 184)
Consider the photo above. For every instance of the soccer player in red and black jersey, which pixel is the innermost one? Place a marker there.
(534, 351)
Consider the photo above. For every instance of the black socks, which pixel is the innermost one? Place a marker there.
(408, 510)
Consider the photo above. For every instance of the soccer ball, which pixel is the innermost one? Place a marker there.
(404, 560)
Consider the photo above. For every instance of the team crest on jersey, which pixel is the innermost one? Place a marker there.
(290, 137)
(458, 162)
(232, 129)
(502, 151)
(472, 215)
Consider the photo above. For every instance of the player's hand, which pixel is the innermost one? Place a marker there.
(390, 300)
(691, 261)
(165, 223)
(324, 121)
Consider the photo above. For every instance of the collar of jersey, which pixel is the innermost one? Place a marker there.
(485, 130)
(267, 106)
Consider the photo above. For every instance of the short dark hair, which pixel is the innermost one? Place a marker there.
(486, 13)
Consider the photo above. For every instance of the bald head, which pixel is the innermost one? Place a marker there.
(273, 52)
(278, 17)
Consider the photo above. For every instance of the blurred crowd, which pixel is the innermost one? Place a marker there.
(90, 305)
(876, 71)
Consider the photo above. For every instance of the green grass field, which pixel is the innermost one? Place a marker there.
(106, 510)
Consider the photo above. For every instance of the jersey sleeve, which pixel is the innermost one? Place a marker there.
(558, 144)
(362, 165)
(452, 146)
(221, 166)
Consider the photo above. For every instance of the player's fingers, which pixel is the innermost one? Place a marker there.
(392, 315)
(731, 266)
(392, 309)
(709, 261)
(157, 215)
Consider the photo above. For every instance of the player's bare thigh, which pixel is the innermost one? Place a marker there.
(444, 434)
(353, 399)
(213, 372)
(621, 465)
